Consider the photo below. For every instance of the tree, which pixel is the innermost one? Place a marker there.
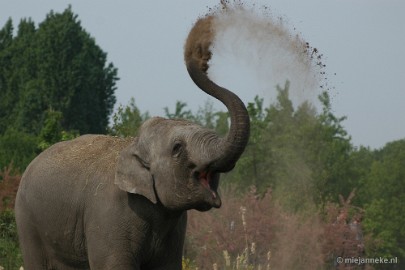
(77, 81)
(52, 131)
(289, 138)
(23, 104)
(206, 115)
(180, 112)
(331, 155)
(127, 121)
(7, 98)
(250, 168)
(58, 66)
(385, 209)
(17, 148)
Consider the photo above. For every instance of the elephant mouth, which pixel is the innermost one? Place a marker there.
(210, 181)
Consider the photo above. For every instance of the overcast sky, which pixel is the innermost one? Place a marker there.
(362, 41)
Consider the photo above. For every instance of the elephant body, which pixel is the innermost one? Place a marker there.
(101, 202)
(69, 203)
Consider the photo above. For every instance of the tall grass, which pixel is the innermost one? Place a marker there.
(10, 255)
(256, 232)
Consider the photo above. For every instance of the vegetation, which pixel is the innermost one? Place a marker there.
(51, 76)
(10, 256)
(300, 196)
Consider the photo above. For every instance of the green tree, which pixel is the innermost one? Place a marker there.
(23, 105)
(180, 112)
(58, 66)
(362, 159)
(222, 123)
(17, 148)
(7, 98)
(250, 168)
(331, 159)
(303, 156)
(289, 139)
(385, 208)
(52, 131)
(55, 67)
(76, 78)
(126, 121)
(268, 153)
(206, 115)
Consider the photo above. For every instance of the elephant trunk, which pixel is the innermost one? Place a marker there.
(235, 141)
(197, 53)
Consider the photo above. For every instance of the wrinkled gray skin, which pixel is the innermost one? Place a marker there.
(101, 202)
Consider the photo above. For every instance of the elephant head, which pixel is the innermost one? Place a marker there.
(177, 163)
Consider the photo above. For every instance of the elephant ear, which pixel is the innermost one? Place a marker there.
(132, 174)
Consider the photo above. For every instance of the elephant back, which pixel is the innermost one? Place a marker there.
(75, 164)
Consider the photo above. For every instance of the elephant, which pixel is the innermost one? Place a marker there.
(105, 202)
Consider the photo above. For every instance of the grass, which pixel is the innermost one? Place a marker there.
(10, 255)
(255, 232)
(250, 232)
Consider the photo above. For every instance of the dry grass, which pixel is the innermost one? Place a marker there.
(255, 232)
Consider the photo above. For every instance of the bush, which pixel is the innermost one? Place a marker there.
(18, 148)
(255, 232)
(8, 188)
(10, 255)
(252, 232)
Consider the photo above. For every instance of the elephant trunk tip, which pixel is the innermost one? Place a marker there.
(199, 40)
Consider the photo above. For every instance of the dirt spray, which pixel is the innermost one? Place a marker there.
(265, 48)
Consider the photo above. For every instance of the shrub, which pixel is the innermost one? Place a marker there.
(18, 148)
(10, 255)
(8, 188)
(256, 232)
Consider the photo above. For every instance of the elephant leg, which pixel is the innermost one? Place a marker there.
(33, 252)
(106, 257)
(113, 264)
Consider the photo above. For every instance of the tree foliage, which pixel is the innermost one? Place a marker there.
(297, 152)
(56, 66)
(17, 148)
(53, 72)
(127, 120)
(384, 201)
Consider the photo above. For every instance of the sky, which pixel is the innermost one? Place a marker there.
(361, 42)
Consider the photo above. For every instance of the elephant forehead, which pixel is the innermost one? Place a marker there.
(168, 128)
(159, 133)
(192, 134)
(159, 124)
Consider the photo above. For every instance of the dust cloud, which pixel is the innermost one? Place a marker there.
(264, 45)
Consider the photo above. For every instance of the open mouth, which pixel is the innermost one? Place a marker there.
(210, 181)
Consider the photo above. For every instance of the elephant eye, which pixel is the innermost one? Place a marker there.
(177, 148)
